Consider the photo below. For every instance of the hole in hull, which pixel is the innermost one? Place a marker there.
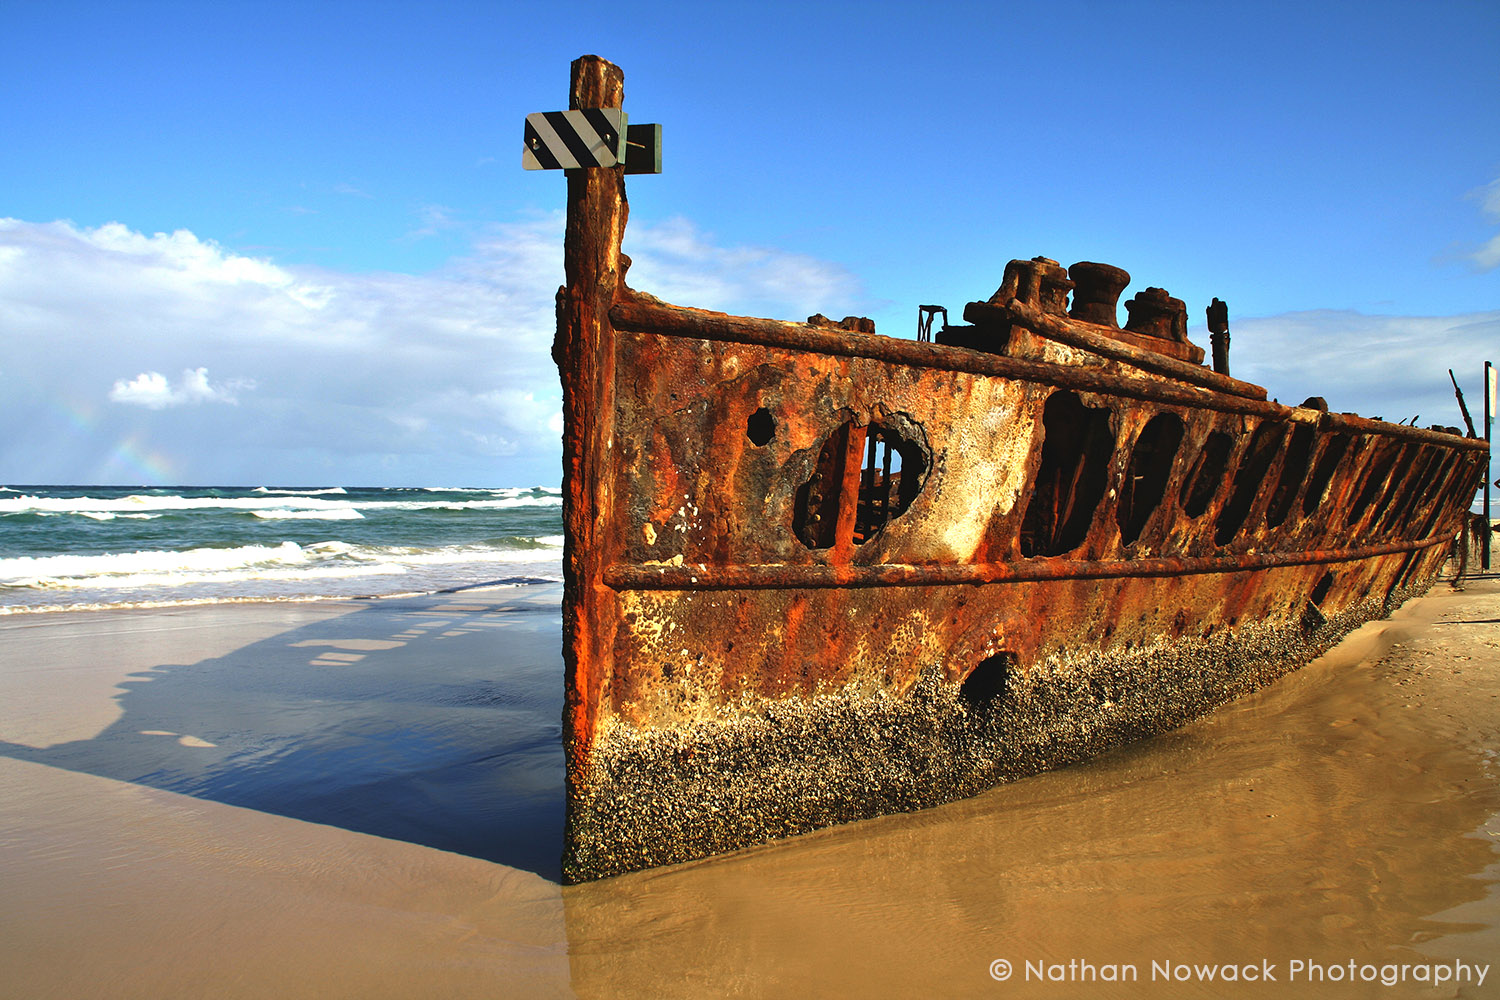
(1207, 475)
(1248, 480)
(888, 480)
(1146, 478)
(1320, 592)
(1313, 616)
(1076, 448)
(1322, 475)
(760, 427)
(988, 681)
(891, 467)
(1374, 483)
(1293, 471)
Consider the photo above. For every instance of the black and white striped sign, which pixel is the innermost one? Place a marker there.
(591, 137)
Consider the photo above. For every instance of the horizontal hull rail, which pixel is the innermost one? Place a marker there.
(638, 313)
(775, 576)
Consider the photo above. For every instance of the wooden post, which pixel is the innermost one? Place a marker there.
(584, 350)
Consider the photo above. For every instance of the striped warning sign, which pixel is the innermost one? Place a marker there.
(591, 137)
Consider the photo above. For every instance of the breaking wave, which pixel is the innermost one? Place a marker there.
(309, 566)
(84, 547)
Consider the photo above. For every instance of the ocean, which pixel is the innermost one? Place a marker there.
(90, 547)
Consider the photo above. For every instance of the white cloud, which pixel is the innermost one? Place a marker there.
(677, 262)
(1489, 200)
(435, 219)
(446, 377)
(148, 389)
(1394, 367)
(153, 391)
(1487, 256)
(381, 378)
(181, 253)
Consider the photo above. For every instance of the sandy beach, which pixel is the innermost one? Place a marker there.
(364, 799)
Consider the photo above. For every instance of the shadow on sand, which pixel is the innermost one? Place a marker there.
(434, 720)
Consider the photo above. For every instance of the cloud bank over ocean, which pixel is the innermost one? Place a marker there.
(312, 376)
(319, 376)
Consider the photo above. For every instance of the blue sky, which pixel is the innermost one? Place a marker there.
(292, 243)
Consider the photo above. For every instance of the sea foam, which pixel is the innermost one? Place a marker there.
(284, 562)
(85, 547)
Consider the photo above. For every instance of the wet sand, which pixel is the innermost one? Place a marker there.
(363, 799)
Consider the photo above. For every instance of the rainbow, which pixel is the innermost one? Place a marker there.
(128, 459)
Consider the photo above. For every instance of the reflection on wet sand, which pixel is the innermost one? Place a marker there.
(433, 720)
(364, 799)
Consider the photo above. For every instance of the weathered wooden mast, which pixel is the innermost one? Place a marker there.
(585, 354)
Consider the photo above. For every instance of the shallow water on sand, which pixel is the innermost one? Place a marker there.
(433, 720)
(365, 800)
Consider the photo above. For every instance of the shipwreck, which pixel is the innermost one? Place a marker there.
(815, 574)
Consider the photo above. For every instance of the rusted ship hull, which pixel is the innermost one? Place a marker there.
(815, 574)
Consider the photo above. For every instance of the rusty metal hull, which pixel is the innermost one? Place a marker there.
(815, 575)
